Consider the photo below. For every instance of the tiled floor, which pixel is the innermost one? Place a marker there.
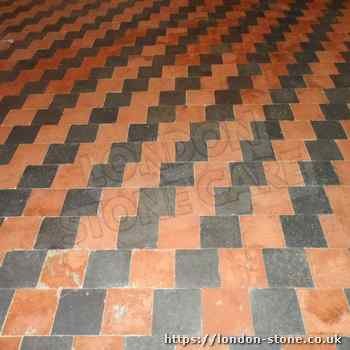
(173, 166)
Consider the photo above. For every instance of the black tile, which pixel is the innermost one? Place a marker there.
(330, 129)
(38, 176)
(234, 200)
(219, 113)
(287, 268)
(197, 268)
(230, 97)
(249, 69)
(299, 69)
(103, 115)
(240, 82)
(117, 99)
(124, 152)
(82, 133)
(61, 153)
(247, 173)
(283, 96)
(64, 101)
(47, 116)
(21, 269)
(140, 84)
(341, 81)
(23, 134)
(161, 114)
(278, 112)
(335, 111)
(303, 231)
(176, 174)
(220, 232)
(106, 175)
(57, 233)
(318, 173)
(309, 200)
(172, 98)
(339, 95)
(138, 232)
(267, 130)
(258, 150)
(191, 151)
(6, 153)
(183, 314)
(85, 86)
(79, 312)
(12, 202)
(46, 343)
(182, 84)
(107, 269)
(323, 150)
(276, 311)
(205, 131)
(143, 132)
(5, 300)
(296, 81)
(81, 202)
(156, 202)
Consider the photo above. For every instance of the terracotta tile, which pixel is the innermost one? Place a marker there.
(109, 85)
(19, 233)
(250, 113)
(64, 269)
(242, 268)
(52, 134)
(31, 312)
(200, 97)
(255, 96)
(161, 84)
(19, 117)
(213, 83)
(60, 86)
(10, 175)
(179, 232)
(311, 95)
(346, 127)
(90, 100)
(4, 133)
(98, 342)
(309, 347)
(318, 81)
(174, 71)
(307, 111)
(344, 146)
(290, 150)
(342, 169)
(190, 114)
(29, 154)
(261, 231)
(231, 308)
(210, 175)
(339, 198)
(236, 130)
(108, 133)
(133, 114)
(281, 174)
(297, 130)
(71, 176)
(268, 200)
(154, 153)
(224, 150)
(90, 154)
(336, 230)
(38, 205)
(141, 175)
(128, 311)
(152, 269)
(10, 343)
(149, 98)
(325, 311)
(38, 101)
(330, 267)
(177, 131)
(76, 116)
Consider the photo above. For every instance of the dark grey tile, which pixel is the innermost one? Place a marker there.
(107, 269)
(21, 269)
(138, 232)
(276, 311)
(296, 81)
(323, 150)
(278, 112)
(287, 268)
(79, 312)
(234, 200)
(283, 96)
(240, 82)
(338, 95)
(103, 115)
(6, 153)
(139, 84)
(38, 176)
(5, 300)
(161, 114)
(85, 86)
(61, 101)
(199, 71)
(156, 201)
(49, 116)
(81, 202)
(197, 268)
(341, 80)
(205, 131)
(299, 69)
(106, 175)
(176, 174)
(318, 173)
(182, 84)
(191, 151)
(183, 314)
(143, 132)
(57, 233)
(61, 153)
(172, 98)
(12, 202)
(228, 97)
(23, 134)
(267, 130)
(249, 69)
(309, 200)
(82, 133)
(345, 345)
(328, 129)
(347, 294)
(220, 232)
(258, 150)
(335, 111)
(117, 99)
(47, 343)
(124, 152)
(247, 173)
(147, 343)
(219, 112)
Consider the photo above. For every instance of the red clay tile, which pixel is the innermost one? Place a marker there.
(71, 176)
(297, 130)
(282, 174)
(177, 131)
(344, 146)
(290, 150)
(210, 175)
(146, 174)
(249, 112)
(236, 130)
(10, 343)
(311, 95)
(98, 342)
(336, 230)
(307, 111)
(224, 150)
(200, 97)
(339, 198)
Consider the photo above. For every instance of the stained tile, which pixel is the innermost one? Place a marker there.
(38, 176)
(81, 202)
(106, 175)
(278, 112)
(172, 98)
(247, 173)
(259, 150)
(102, 342)
(82, 133)
(176, 174)
(219, 112)
(205, 131)
(142, 132)
(191, 151)
(122, 153)
(61, 153)
(103, 115)
(233, 200)
(6, 153)
(161, 114)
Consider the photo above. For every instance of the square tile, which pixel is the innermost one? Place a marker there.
(161, 114)
(79, 312)
(38, 176)
(176, 174)
(21, 269)
(5, 300)
(81, 202)
(303, 231)
(43, 343)
(191, 151)
(12, 202)
(247, 173)
(233, 200)
(108, 269)
(61, 153)
(309, 200)
(276, 311)
(138, 232)
(82, 133)
(323, 150)
(318, 173)
(23, 134)
(287, 268)
(220, 231)
(258, 150)
(328, 129)
(197, 268)
(124, 152)
(183, 314)
(278, 112)
(219, 112)
(142, 132)
(106, 175)
(57, 233)
(128, 312)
